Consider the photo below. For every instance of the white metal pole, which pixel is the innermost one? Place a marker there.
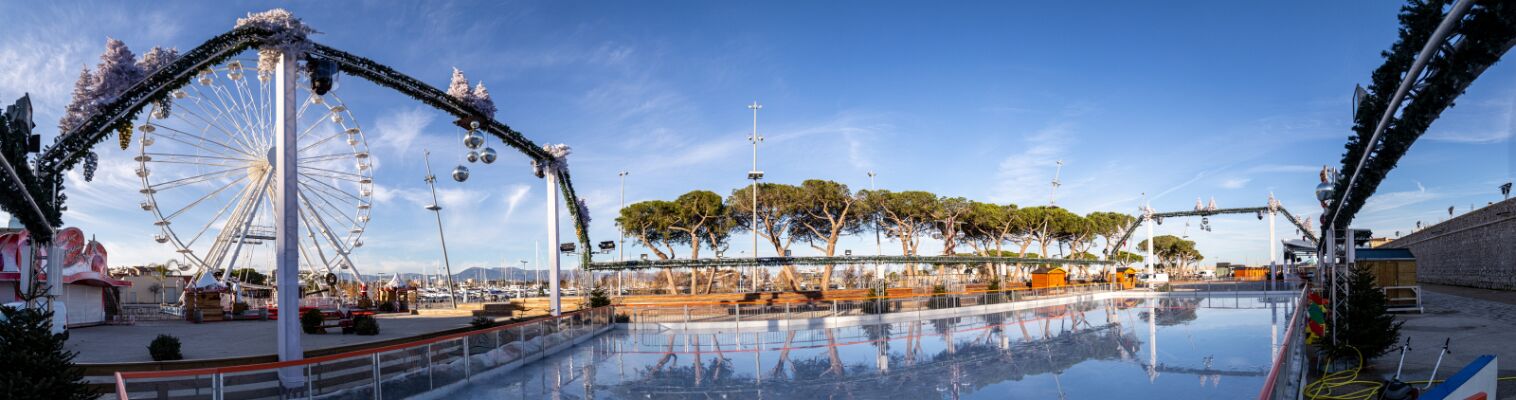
(621, 249)
(286, 217)
(55, 286)
(552, 241)
(436, 208)
(1273, 251)
(1327, 269)
(878, 242)
(755, 139)
(28, 269)
(1148, 261)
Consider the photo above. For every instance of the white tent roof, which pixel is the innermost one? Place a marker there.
(396, 283)
(208, 281)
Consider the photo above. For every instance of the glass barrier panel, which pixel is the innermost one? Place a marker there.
(178, 387)
(352, 376)
(261, 384)
(447, 362)
(404, 373)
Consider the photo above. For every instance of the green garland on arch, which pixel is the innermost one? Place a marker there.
(1486, 33)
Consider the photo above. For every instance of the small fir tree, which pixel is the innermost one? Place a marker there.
(116, 72)
(82, 103)
(35, 363)
(482, 101)
(458, 87)
(1365, 324)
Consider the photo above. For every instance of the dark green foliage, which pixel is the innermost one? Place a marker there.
(598, 298)
(365, 325)
(940, 299)
(873, 303)
(482, 322)
(311, 320)
(1365, 324)
(34, 363)
(994, 295)
(386, 307)
(1485, 34)
(165, 348)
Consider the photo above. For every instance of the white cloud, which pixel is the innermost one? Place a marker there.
(517, 194)
(1234, 183)
(1384, 202)
(396, 130)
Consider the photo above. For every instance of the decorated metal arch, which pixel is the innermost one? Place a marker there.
(271, 33)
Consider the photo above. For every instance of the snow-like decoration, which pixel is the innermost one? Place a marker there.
(158, 58)
(559, 162)
(478, 98)
(287, 34)
(458, 87)
(81, 105)
(482, 101)
(116, 72)
(584, 209)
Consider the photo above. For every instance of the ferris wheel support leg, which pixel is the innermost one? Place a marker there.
(552, 242)
(287, 221)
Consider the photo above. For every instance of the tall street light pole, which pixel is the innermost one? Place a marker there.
(431, 182)
(878, 243)
(621, 249)
(1053, 197)
(755, 175)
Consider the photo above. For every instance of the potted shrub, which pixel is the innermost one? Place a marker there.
(165, 348)
(311, 320)
(365, 325)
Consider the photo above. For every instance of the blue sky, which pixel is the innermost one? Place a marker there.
(973, 99)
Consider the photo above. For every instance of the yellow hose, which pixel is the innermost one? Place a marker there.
(1326, 387)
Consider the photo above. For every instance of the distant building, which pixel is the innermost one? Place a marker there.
(147, 287)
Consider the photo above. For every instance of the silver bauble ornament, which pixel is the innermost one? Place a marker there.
(1325, 191)
(472, 140)
(460, 174)
(473, 125)
(488, 155)
(473, 156)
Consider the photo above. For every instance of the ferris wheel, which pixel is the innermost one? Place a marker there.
(206, 163)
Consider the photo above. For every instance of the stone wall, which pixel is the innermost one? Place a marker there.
(1476, 249)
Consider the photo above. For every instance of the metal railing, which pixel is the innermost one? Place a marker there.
(394, 371)
(1286, 378)
(842, 306)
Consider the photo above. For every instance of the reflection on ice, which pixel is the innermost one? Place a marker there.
(1081, 350)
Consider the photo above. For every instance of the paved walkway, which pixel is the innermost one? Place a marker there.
(1478, 321)
(126, 343)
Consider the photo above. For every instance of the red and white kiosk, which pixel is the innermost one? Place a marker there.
(87, 283)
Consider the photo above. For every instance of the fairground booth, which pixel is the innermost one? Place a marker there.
(1125, 277)
(90, 294)
(1049, 277)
